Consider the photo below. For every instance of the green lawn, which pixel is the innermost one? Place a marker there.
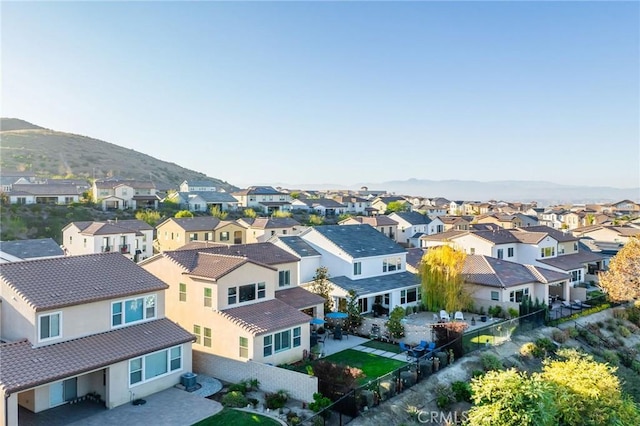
(373, 366)
(231, 417)
(389, 347)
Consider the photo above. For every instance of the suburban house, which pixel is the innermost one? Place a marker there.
(229, 296)
(203, 201)
(410, 224)
(99, 329)
(175, 232)
(624, 208)
(198, 186)
(18, 250)
(119, 194)
(260, 229)
(457, 223)
(34, 193)
(354, 204)
(358, 258)
(382, 223)
(133, 238)
(506, 221)
(607, 234)
(320, 206)
(552, 217)
(382, 203)
(10, 177)
(263, 199)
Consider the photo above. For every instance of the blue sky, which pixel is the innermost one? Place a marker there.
(339, 92)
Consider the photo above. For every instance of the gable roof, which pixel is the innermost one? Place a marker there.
(559, 236)
(381, 220)
(568, 262)
(378, 284)
(500, 273)
(414, 256)
(299, 298)
(216, 266)
(74, 280)
(114, 182)
(27, 249)
(358, 241)
(210, 196)
(259, 190)
(414, 218)
(110, 227)
(265, 317)
(273, 222)
(25, 366)
(43, 189)
(262, 253)
(192, 224)
(297, 245)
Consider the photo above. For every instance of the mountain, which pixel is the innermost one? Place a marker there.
(25, 146)
(545, 193)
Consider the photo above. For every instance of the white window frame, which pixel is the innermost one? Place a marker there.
(357, 268)
(496, 294)
(284, 278)
(59, 335)
(145, 312)
(243, 347)
(143, 358)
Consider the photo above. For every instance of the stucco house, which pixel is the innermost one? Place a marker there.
(410, 224)
(198, 185)
(34, 193)
(260, 229)
(133, 238)
(457, 223)
(263, 199)
(119, 194)
(382, 223)
(99, 328)
(354, 204)
(203, 201)
(175, 232)
(382, 203)
(230, 297)
(321, 206)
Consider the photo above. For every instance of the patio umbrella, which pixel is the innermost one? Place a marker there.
(337, 315)
(317, 321)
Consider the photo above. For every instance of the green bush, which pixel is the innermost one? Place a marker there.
(573, 332)
(624, 331)
(235, 399)
(627, 356)
(635, 366)
(320, 402)
(546, 345)
(444, 396)
(238, 387)
(560, 336)
(490, 362)
(513, 313)
(461, 391)
(611, 357)
(276, 400)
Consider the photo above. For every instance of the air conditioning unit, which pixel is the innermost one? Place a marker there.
(188, 380)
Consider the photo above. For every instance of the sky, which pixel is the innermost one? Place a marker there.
(304, 93)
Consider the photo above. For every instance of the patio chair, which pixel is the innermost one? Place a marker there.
(581, 304)
(435, 317)
(458, 316)
(444, 316)
(410, 352)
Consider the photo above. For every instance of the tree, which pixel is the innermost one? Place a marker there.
(217, 213)
(396, 206)
(250, 213)
(184, 213)
(280, 213)
(322, 287)
(355, 316)
(395, 325)
(151, 217)
(314, 220)
(622, 281)
(442, 280)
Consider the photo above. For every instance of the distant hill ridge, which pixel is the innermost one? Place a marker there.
(28, 147)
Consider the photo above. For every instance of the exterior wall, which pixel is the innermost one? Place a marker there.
(17, 318)
(31, 199)
(528, 254)
(9, 410)
(299, 386)
(505, 251)
(568, 247)
(257, 235)
(27, 399)
(481, 246)
(606, 235)
(231, 228)
(482, 296)
(125, 192)
(171, 236)
(308, 268)
(433, 226)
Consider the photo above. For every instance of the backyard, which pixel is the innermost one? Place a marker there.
(372, 366)
(231, 417)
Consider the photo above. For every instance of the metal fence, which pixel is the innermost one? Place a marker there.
(500, 332)
(568, 310)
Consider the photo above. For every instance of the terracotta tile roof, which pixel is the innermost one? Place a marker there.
(215, 266)
(265, 317)
(414, 218)
(299, 298)
(378, 284)
(558, 235)
(112, 183)
(527, 237)
(374, 220)
(489, 271)
(73, 280)
(24, 367)
(110, 228)
(442, 236)
(264, 253)
(201, 223)
(497, 236)
(545, 275)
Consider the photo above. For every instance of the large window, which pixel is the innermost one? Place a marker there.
(267, 344)
(357, 268)
(495, 295)
(547, 251)
(244, 347)
(157, 364)
(183, 292)
(224, 236)
(284, 278)
(232, 296)
(133, 310)
(282, 341)
(576, 276)
(517, 295)
(391, 264)
(207, 297)
(50, 326)
(247, 292)
(193, 236)
(500, 253)
(410, 295)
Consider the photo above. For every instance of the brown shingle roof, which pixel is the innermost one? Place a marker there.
(274, 222)
(568, 262)
(558, 235)
(44, 189)
(265, 253)
(215, 266)
(24, 367)
(102, 228)
(489, 271)
(265, 317)
(202, 223)
(299, 298)
(55, 283)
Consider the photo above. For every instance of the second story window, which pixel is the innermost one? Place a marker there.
(392, 264)
(510, 252)
(357, 268)
(284, 278)
(207, 297)
(232, 296)
(133, 310)
(50, 326)
(183, 292)
(547, 252)
(500, 254)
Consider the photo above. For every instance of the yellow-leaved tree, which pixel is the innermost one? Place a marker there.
(442, 279)
(622, 281)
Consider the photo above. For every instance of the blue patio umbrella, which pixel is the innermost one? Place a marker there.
(337, 315)
(317, 321)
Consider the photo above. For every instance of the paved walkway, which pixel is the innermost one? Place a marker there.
(399, 357)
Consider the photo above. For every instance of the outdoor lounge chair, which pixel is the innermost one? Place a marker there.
(444, 316)
(581, 304)
(410, 352)
(458, 316)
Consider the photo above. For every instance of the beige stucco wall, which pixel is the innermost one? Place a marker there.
(18, 318)
(170, 236)
(231, 228)
(27, 399)
(9, 412)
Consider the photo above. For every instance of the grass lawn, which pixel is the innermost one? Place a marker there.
(389, 347)
(373, 366)
(231, 417)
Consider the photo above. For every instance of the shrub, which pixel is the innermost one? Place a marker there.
(461, 391)
(624, 331)
(528, 350)
(573, 332)
(635, 366)
(235, 399)
(238, 387)
(560, 336)
(444, 396)
(490, 362)
(611, 357)
(276, 400)
(320, 402)
(546, 345)
(627, 356)
(611, 327)
(477, 373)
(513, 313)
(620, 313)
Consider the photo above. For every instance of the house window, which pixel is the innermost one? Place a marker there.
(183, 292)
(576, 276)
(495, 295)
(193, 236)
(262, 290)
(510, 252)
(50, 326)
(231, 296)
(547, 251)
(518, 295)
(197, 333)
(207, 337)
(575, 246)
(247, 292)
(273, 233)
(208, 236)
(207, 297)
(500, 253)
(267, 343)
(70, 239)
(154, 365)
(224, 236)
(282, 341)
(391, 264)
(472, 250)
(84, 243)
(284, 278)
(409, 296)
(296, 337)
(244, 347)
(357, 268)
(133, 310)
